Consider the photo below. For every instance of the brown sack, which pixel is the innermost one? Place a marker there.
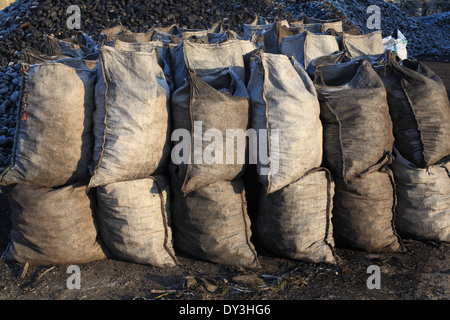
(134, 220)
(131, 120)
(355, 117)
(211, 223)
(53, 226)
(363, 212)
(420, 111)
(53, 143)
(423, 200)
(295, 222)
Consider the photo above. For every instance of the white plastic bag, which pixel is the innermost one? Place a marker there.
(397, 44)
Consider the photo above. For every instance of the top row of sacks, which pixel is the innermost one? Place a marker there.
(173, 67)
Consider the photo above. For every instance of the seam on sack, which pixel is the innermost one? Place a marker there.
(329, 213)
(247, 228)
(89, 186)
(329, 106)
(165, 223)
(394, 205)
(269, 142)
(192, 150)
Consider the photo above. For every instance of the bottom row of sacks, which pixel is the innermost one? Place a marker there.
(143, 221)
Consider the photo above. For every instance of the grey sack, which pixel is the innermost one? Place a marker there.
(53, 226)
(355, 117)
(134, 220)
(423, 199)
(131, 122)
(53, 143)
(295, 222)
(211, 223)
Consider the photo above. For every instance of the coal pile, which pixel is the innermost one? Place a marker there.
(424, 36)
(24, 23)
(9, 97)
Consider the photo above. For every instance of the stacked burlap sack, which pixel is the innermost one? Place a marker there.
(209, 105)
(294, 213)
(358, 142)
(132, 146)
(53, 218)
(420, 112)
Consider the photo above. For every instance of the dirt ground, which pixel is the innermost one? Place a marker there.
(420, 273)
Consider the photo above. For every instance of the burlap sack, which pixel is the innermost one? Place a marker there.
(364, 211)
(423, 200)
(131, 122)
(420, 111)
(284, 103)
(308, 46)
(53, 143)
(364, 44)
(53, 226)
(212, 224)
(295, 222)
(134, 218)
(355, 117)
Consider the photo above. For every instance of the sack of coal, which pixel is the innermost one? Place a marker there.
(363, 44)
(308, 46)
(131, 120)
(149, 46)
(212, 224)
(295, 221)
(326, 24)
(255, 28)
(134, 220)
(207, 119)
(285, 118)
(204, 58)
(54, 141)
(70, 47)
(53, 226)
(273, 37)
(423, 199)
(420, 111)
(333, 58)
(364, 211)
(355, 117)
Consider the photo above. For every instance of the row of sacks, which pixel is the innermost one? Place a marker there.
(115, 119)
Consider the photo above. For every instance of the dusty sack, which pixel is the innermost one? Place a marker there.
(364, 211)
(308, 46)
(284, 103)
(423, 200)
(207, 58)
(134, 220)
(212, 224)
(295, 222)
(355, 117)
(131, 122)
(363, 44)
(53, 143)
(215, 111)
(420, 111)
(149, 46)
(53, 226)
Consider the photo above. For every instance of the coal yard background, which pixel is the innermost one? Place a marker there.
(420, 272)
